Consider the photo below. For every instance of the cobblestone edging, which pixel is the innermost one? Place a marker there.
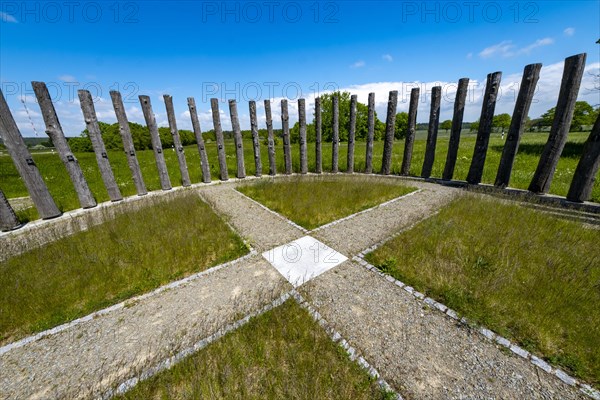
(123, 304)
(488, 334)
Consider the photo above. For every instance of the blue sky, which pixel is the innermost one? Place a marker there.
(274, 49)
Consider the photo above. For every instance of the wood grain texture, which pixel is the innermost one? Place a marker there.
(161, 165)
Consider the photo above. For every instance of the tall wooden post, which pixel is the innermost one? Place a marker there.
(55, 132)
(370, 134)
(485, 128)
(351, 134)
(8, 218)
(91, 121)
(587, 168)
(390, 125)
(285, 127)
(270, 139)
(432, 131)
(237, 139)
(128, 146)
(199, 140)
(302, 124)
(335, 140)
(161, 165)
(185, 176)
(214, 105)
(255, 138)
(457, 119)
(517, 123)
(409, 141)
(318, 137)
(569, 88)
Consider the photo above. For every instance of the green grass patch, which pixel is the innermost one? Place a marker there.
(55, 174)
(313, 202)
(527, 275)
(133, 253)
(282, 354)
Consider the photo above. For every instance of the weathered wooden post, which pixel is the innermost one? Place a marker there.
(38, 191)
(237, 139)
(185, 176)
(285, 127)
(270, 139)
(91, 121)
(409, 141)
(457, 119)
(255, 138)
(587, 168)
(161, 165)
(302, 123)
(351, 134)
(55, 132)
(214, 105)
(335, 140)
(318, 137)
(569, 88)
(370, 134)
(485, 128)
(432, 131)
(390, 125)
(531, 75)
(128, 146)
(8, 218)
(199, 140)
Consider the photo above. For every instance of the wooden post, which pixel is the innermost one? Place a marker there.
(128, 146)
(351, 134)
(390, 125)
(370, 134)
(409, 141)
(569, 88)
(163, 174)
(587, 168)
(55, 132)
(237, 139)
(199, 140)
(185, 176)
(517, 123)
(8, 218)
(38, 191)
(255, 138)
(485, 128)
(432, 131)
(318, 137)
(91, 121)
(335, 140)
(214, 105)
(302, 123)
(270, 139)
(285, 127)
(457, 119)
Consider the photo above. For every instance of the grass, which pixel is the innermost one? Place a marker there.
(128, 255)
(526, 161)
(314, 202)
(527, 275)
(282, 354)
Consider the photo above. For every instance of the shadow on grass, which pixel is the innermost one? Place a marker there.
(571, 150)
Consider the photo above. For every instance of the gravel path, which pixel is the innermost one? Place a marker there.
(419, 351)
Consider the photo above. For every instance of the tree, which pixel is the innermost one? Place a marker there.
(501, 121)
(401, 127)
(474, 127)
(583, 115)
(446, 125)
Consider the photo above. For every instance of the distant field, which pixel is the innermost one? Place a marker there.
(531, 147)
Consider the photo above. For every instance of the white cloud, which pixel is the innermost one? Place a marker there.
(67, 78)
(569, 31)
(5, 17)
(506, 48)
(387, 57)
(358, 64)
